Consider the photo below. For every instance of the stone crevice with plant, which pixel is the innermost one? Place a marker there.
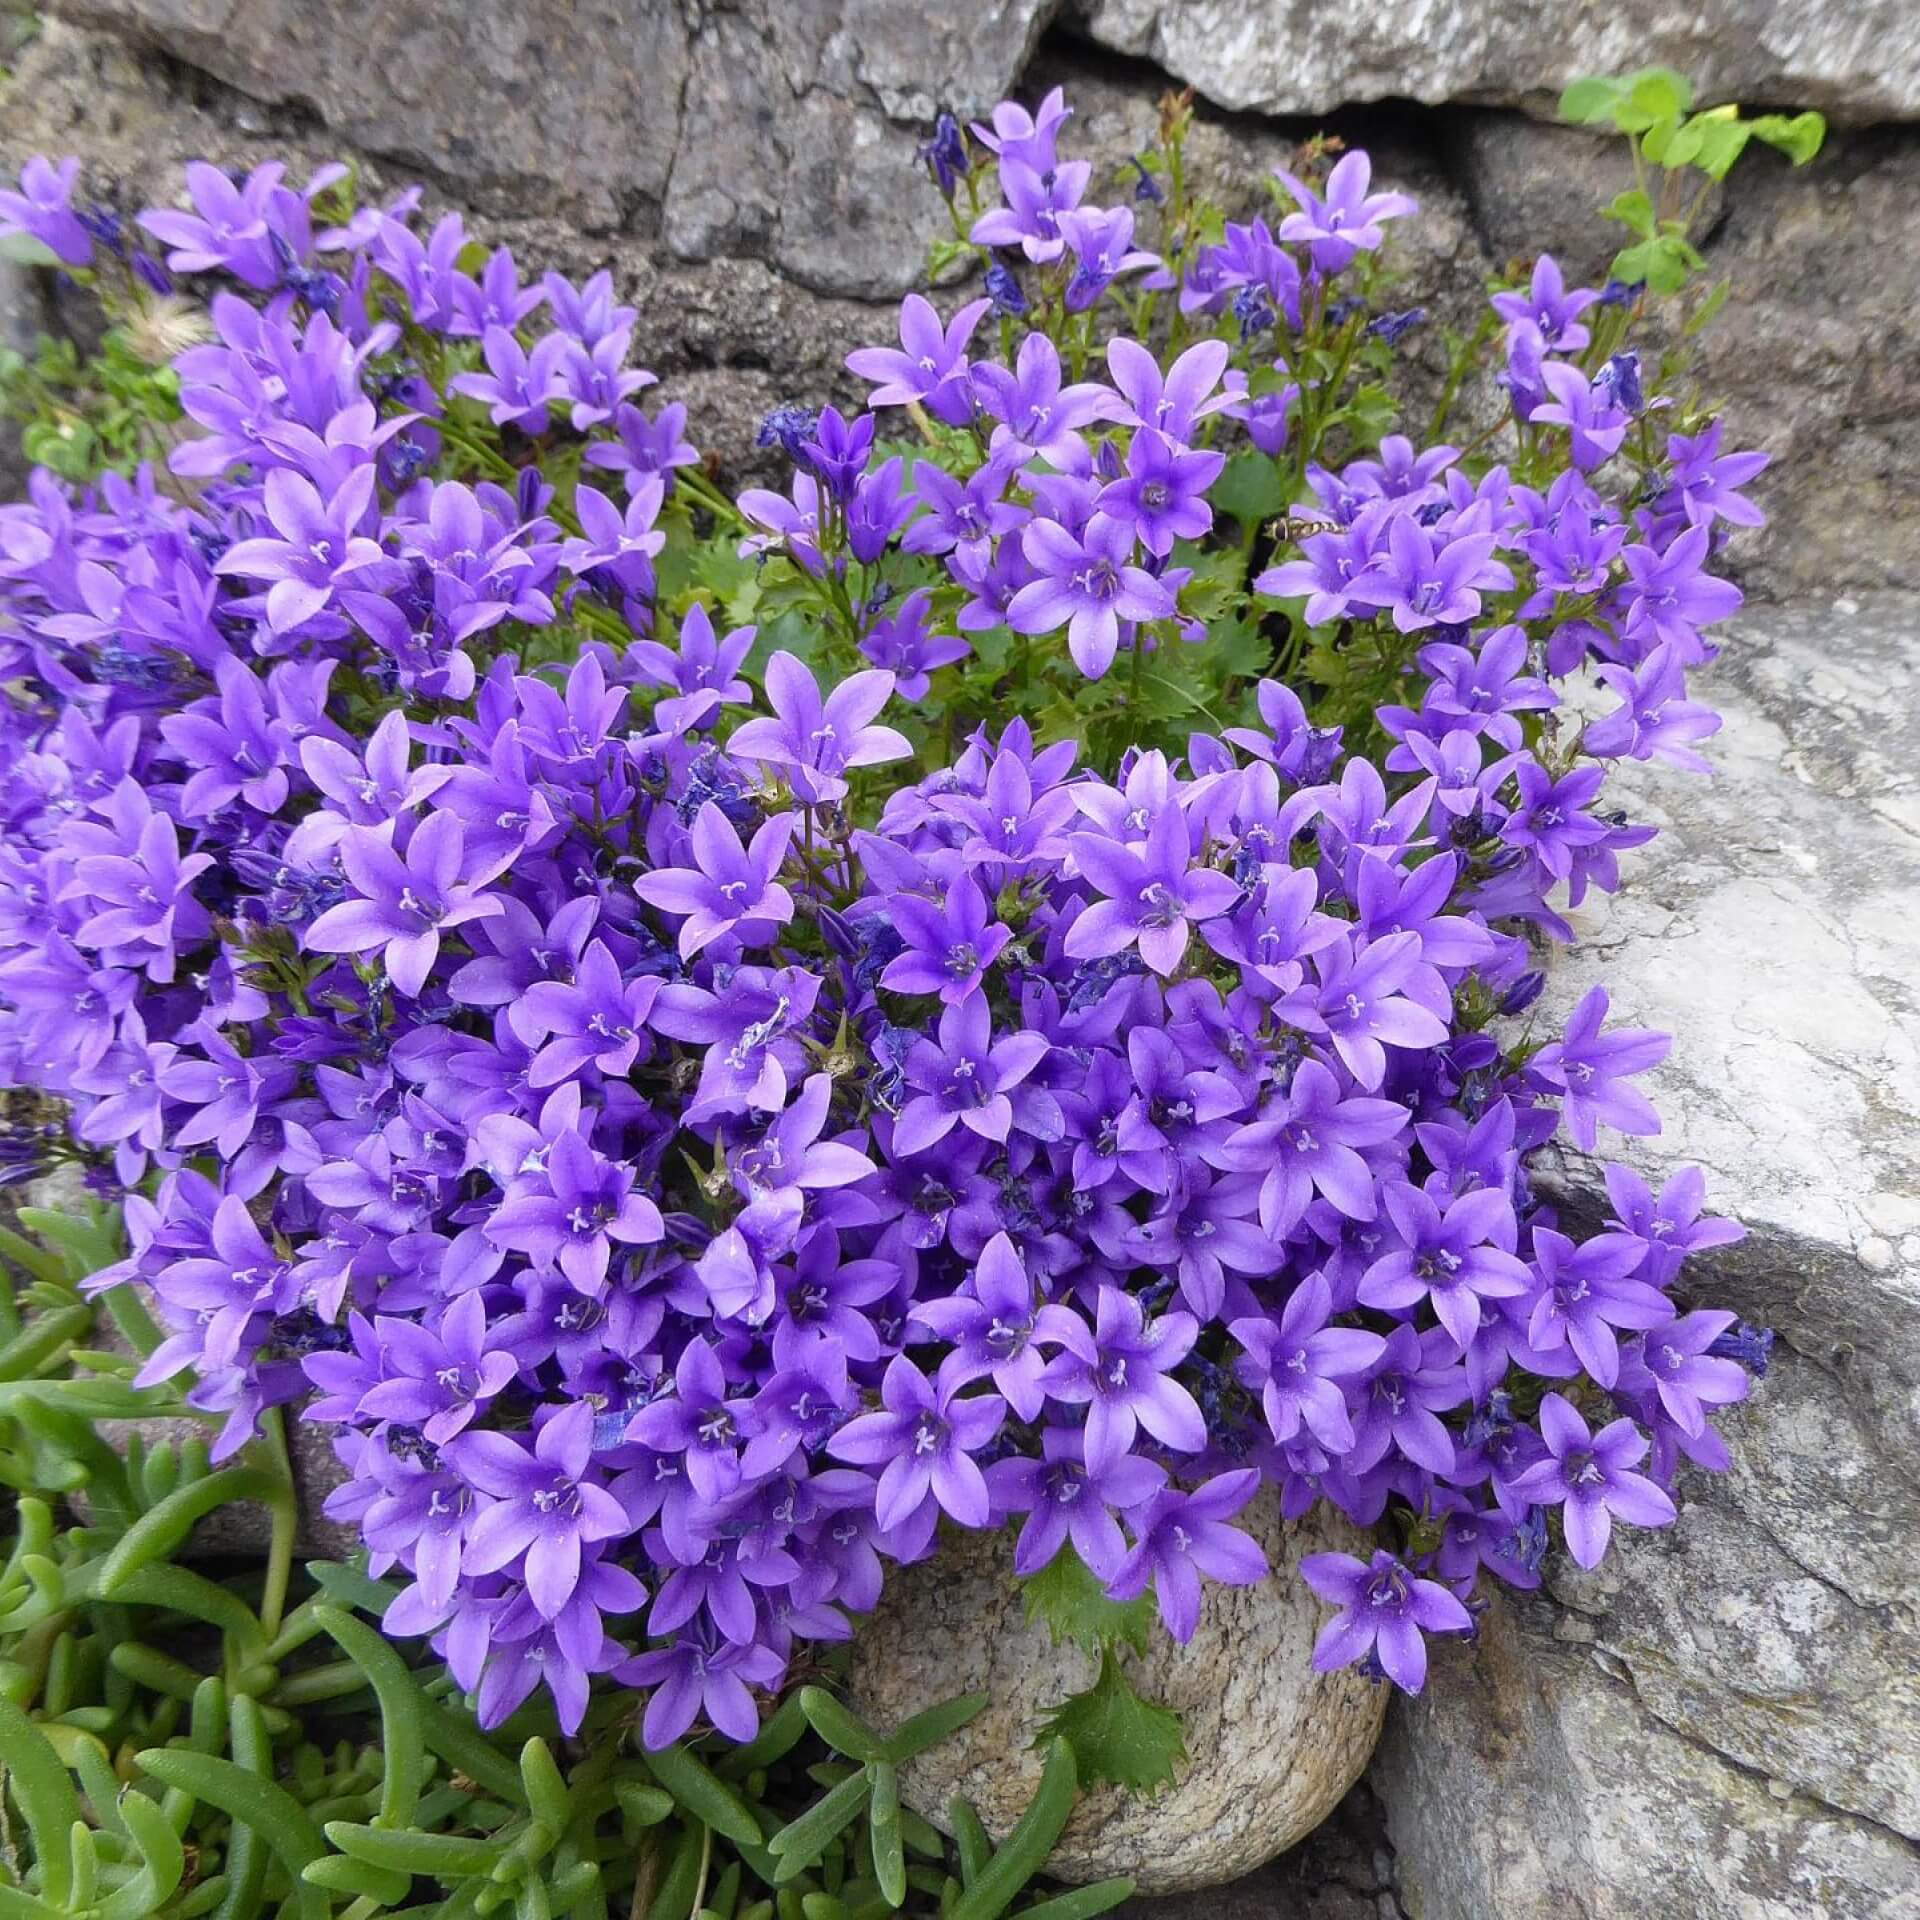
(703, 1039)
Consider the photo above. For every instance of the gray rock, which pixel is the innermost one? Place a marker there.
(1860, 61)
(1272, 1745)
(781, 132)
(1724, 1720)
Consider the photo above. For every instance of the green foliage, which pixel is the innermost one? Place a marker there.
(1071, 1600)
(1653, 108)
(175, 1745)
(1115, 1734)
(81, 415)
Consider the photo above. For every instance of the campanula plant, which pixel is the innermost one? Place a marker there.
(995, 982)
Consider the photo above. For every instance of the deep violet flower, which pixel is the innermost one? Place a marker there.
(1384, 1609)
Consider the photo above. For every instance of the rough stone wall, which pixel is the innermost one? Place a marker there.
(1723, 1725)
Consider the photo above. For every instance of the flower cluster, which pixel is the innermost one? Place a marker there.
(685, 1127)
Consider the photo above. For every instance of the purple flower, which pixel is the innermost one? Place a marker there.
(1063, 1502)
(1296, 1363)
(730, 889)
(1425, 584)
(1309, 1144)
(694, 1676)
(1346, 220)
(1683, 1365)
(403, 903)
(573, 1212)
(1174, 402)
(1584, 1293)
(43, 208)
(1163, 496)
(703, 673)
(1704, 483)
(815, 740)
(1668, 1228)
(901, 643)
(1453, 1260)
(1655, 720)
(1179, 1536)
(1383, 1608)
(543, 1506)
(1119, 1369)
(318, 544)
(1101, 242)
(996, 1329)
(1587, 410)
(1548, 305)
(699, 1422)
(1088, 584)
(924, 1441)
(1036, 414)
(948, 948)
(930, 364)
(1670, 599)
(594, 1019)
(1589, 1476)
(964, 1078)
(1590, 1069)
(1153, 892)
(438, 1381)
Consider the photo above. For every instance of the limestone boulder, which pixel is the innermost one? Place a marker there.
(1272, 1745)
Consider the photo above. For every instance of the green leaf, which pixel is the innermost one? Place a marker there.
(703, 1794)
(1249, 487)
(1083, 1903)
(1659, 141)
(939, 1723)
(403, 1711)
(803, 1839)
(1116, 1735)
(1025, 1849)
(1718, 142)
(1592, 99)
(23, 250)
(845, 1732)
(1654, 94)
(1710, 306)
(1799, 138)
(255, 1802)
(1632, 209)
(43, 1793)
(1068, 1597)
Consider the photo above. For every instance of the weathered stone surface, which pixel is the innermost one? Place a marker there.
(776, 131)
(1272, 1744)
(1860, 60)
(1529, 1783)
(1724, 1720)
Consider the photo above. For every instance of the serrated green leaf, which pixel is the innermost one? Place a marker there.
(1117, 1735)
(1067, 1596)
